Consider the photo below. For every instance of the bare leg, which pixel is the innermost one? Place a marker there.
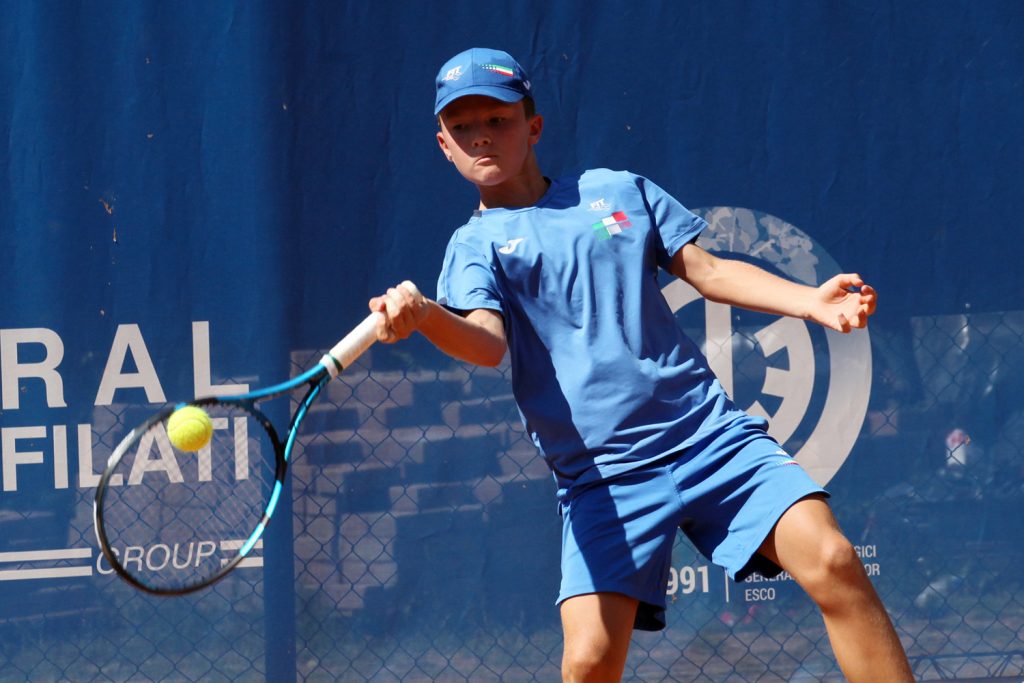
(597, 629)
(808, 543)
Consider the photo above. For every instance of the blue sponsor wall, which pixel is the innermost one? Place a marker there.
(203, 194)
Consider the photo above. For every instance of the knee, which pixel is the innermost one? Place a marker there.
(834, 571)
(588, 664)
(597, 630)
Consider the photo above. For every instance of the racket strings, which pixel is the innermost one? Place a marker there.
(176, 519)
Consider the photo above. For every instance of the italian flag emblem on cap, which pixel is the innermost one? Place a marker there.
(612, 225)
(499, 69)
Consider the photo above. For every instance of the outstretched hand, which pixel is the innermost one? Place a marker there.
(844, 302)
(402, 310)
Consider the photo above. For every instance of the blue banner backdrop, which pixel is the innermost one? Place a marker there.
(204, 194)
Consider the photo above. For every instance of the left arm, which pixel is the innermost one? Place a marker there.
(833, 304)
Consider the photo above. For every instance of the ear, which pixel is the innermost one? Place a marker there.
(536, 126)
(444, 146)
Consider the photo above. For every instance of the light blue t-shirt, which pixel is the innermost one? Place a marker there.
(604, 378)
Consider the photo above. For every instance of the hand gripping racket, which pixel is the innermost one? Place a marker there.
(172, 522)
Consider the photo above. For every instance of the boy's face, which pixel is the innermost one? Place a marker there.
(488, 140)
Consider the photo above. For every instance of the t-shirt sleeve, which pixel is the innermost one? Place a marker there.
(677, 226)
(466, 281)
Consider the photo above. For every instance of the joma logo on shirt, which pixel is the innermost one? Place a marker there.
(511, 245)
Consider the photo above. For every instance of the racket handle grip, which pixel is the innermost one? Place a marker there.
(352, 345)
(356, 342)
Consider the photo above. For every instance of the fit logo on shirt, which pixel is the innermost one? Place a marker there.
(611, 225)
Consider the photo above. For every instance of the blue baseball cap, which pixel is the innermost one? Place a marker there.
(481, 71)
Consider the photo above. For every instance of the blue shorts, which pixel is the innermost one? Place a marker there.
(726, 493)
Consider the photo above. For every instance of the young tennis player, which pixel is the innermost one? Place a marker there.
(640, 435)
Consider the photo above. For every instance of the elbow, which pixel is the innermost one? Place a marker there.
(491, 358)
(713, 296)
(484, 354)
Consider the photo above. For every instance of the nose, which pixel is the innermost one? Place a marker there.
(481, 138)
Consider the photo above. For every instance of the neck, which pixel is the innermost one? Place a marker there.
(525, 189)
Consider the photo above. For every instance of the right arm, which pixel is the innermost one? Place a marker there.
(478, 337)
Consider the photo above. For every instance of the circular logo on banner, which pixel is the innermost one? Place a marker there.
(814, 393)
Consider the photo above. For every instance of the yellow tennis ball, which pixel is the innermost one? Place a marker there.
(189, 428)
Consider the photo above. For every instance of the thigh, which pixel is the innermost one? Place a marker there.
(736, 488)
(617, 539)
(597, 629)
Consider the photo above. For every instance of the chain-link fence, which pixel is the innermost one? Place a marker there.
(423, 542)
(440, 559)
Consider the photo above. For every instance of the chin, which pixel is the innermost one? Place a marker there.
(489, 179)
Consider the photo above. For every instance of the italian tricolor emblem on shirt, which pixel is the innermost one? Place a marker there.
(612, 225)
(498, 68)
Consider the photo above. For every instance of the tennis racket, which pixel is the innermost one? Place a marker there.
(172, 522)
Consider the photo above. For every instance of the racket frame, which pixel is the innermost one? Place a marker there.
(341, 356)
